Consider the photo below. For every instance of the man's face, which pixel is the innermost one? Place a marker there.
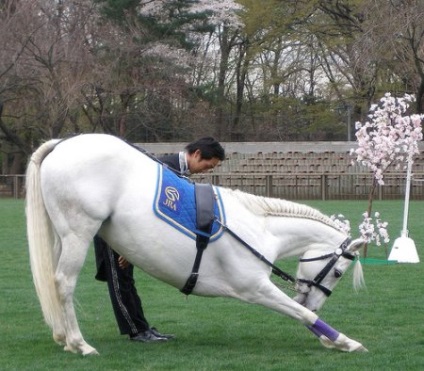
(197, 164)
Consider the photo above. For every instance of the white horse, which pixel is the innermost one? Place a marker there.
(97, 183)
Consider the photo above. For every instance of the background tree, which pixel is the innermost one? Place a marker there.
(39, 83)
(172, 70)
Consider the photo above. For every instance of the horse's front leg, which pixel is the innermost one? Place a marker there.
(267, 294)
(331, 338)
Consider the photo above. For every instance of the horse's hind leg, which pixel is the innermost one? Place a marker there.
(71, 260)
(58, 325)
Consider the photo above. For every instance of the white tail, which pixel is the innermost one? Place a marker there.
(41, 240)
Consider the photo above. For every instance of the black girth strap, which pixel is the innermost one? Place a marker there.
(205, 202)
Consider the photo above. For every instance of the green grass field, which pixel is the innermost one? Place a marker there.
(221, 334)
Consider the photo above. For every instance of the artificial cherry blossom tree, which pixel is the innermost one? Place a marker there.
(388, 138)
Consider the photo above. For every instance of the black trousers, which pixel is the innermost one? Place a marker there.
(123, 294)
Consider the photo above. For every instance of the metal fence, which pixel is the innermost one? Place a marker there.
(329, 186)
(12, 186)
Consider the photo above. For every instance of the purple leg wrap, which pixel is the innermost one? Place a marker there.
(320, 327)
(315, 331)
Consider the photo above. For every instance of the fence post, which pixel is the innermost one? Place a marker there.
(268, 185)
(215, 179)
(323, 187)
(15, 187)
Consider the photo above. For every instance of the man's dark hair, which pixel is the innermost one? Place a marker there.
(208, 147)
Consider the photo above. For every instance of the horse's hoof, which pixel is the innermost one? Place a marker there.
(361, 348)
(68, 348)
(88, 350)
(92, 352)
(325, 341)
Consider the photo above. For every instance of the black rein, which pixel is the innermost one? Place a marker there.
(277, 271)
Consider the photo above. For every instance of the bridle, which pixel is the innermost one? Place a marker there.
(340, 251)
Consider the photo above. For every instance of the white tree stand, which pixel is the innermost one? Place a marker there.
(404, 250)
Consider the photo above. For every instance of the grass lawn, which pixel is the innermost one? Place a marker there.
(221, 334)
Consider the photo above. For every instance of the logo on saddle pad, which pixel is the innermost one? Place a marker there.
(175, 203)
(172, 198)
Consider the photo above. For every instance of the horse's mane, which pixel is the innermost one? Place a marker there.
(277, 207)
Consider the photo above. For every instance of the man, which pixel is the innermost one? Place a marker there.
(199, 156)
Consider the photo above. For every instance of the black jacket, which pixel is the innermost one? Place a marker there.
(173, 161)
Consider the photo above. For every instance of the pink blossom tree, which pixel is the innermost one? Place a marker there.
(217, 11)
(388, 138)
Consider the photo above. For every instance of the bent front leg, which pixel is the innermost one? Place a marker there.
(331, 338)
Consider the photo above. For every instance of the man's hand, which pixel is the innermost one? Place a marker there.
(123, 263)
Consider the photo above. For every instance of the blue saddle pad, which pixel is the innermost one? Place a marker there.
(175, 203)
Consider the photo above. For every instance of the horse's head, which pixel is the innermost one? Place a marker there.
(320, 271)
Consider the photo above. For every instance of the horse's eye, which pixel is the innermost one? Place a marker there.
(338, 273)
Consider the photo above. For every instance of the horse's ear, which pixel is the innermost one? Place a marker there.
(355, 245)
